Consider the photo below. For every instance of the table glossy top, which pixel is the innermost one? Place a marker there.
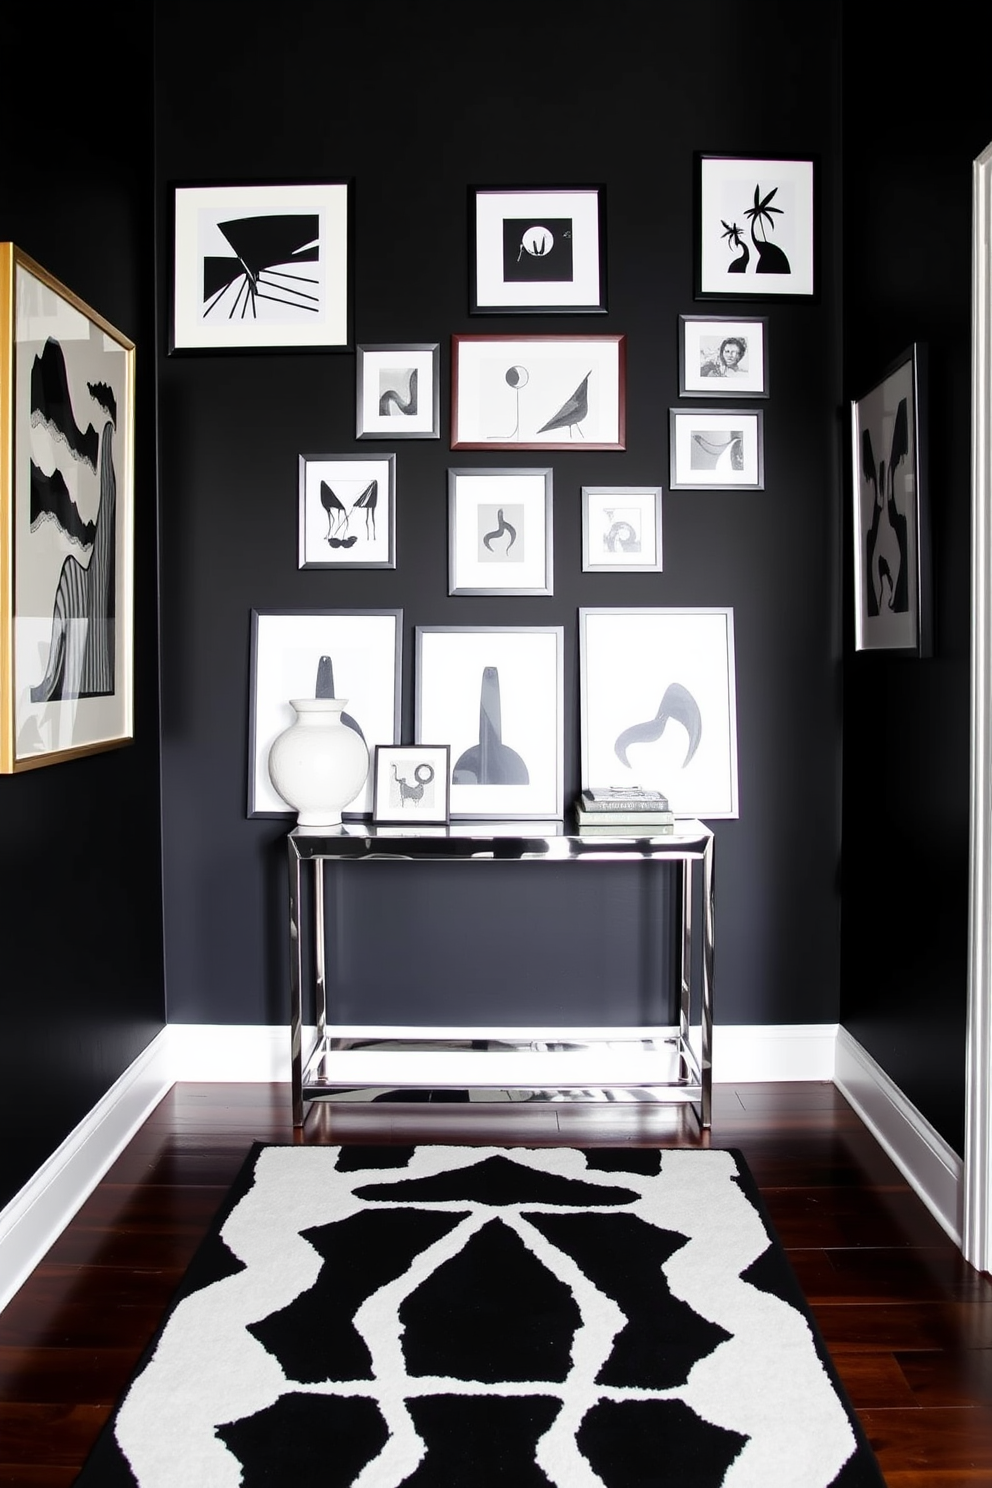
(550, 840)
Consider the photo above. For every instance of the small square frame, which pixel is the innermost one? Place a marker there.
(365, 651)
(411, 783)
(397, 392)
(658, 705)
(621, 529)
(538, 392)
(537, 250)
(500, 538)
(261, 266)
(891, 518)
(716, 449)
(347, 511)
(495, 693)
(755, 228)
(723, 356)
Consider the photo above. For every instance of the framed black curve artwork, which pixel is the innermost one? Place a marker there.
(263, 266)
(891, 522)
(537, 250)
(66, 522)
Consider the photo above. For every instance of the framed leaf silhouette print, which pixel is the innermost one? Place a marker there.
(756, 228)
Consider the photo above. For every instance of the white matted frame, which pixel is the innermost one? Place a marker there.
(495, 694)
(538, 392)
(411, 783)
(723, 356)
(66, 523)
(621, 529)
(500, 534)
(347, 511)
(537, 250)
(716, 449)
(397, 392)
(659, 705)
(261, 266)
(891, 521)
(755, 228)
(356, 654)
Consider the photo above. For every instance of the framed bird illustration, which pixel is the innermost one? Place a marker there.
(538, 392)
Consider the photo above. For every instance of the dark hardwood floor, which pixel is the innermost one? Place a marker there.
(909, 1324)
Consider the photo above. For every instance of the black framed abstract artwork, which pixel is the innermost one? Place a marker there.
(537, 250)
(66, 522)
(261, 267)
(755, 228)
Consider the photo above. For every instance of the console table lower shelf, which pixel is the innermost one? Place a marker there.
(669, 1064)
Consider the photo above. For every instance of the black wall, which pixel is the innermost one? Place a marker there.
(917, 112)
(415, 107)
(81, 989)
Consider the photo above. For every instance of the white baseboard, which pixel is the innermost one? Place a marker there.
(931, 1168)
(36, 1216)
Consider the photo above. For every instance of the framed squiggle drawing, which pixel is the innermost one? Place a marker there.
(66, 522)
(500, 531)
(658, 705)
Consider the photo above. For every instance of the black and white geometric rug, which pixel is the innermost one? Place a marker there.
(459, 1317)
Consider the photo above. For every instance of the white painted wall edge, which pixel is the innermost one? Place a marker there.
(36, 1216)
(930, 1166)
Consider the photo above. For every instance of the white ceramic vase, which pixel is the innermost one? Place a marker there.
(318, 764)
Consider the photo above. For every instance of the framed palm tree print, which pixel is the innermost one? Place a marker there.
(756, 228)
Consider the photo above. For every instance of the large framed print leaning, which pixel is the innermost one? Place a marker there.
(893, 601)
(718, 450)
(755, 228)
(538, 392)
(658, 705)
(350, 654)
(397, 394)
(347, 511)
(537, 250)
(500, 536)
(621, 529)
(495, 695)
(723, 356)
(66, 522)
(261, 267)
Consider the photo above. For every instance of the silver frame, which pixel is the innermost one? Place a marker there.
(542, 811)
(360, 457)
(588, 565)
(394, 431)
(546, 586)
(417, 817)
(714, 387)
(722, 413)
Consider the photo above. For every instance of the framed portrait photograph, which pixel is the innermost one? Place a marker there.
(500, 531)
(411, 783)
(495, 695)
(350, 654)
(66, 522)
(347, 511)
(398, 392)
(892, 582)
(723, 356)
(261, 267)
(755, 228)
(621, 529)
(658, 705)
(538, 392)
(537, 250)
(716, 450)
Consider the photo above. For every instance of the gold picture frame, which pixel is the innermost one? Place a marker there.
(66, 571)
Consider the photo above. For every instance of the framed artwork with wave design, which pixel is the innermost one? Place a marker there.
(66, 522)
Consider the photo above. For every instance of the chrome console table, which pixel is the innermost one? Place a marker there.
(669, 1064)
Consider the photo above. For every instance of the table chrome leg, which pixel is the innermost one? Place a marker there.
(295, 987)
(708, 942)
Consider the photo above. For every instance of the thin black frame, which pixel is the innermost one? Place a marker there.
(549, 305)
(721, 413)
(380, 756)
(715, 387)
(710, 283)
(333, 329)
(904, 381)
(391, 428)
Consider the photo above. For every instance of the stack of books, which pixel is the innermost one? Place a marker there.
(624, 810)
